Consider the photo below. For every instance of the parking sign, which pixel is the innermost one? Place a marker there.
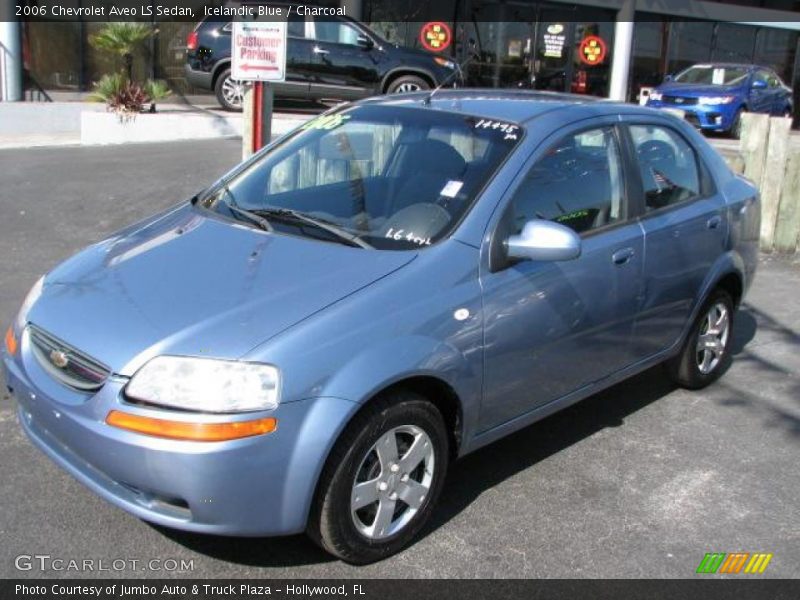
(258, 50)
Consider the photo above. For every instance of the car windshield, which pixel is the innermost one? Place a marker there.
(372, 176)
(712, 75)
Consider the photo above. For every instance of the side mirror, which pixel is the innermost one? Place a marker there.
(759, 84)
(365, 42)
(545, 241)
(668, 78)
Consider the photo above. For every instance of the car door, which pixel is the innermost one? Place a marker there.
(298, 59)
(761, 98)
(552, 328)
(341, 67)
(685, 229)
(776, 93)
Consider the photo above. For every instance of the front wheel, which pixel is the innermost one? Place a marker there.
(407, 83)
(707, 347)
(382, 479)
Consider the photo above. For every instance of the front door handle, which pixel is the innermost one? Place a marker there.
(318, 50)
(714, 222)
(622, 256)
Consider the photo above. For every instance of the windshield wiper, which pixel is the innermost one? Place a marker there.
(340, 232)
(247, 214)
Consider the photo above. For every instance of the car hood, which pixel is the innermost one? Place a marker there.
(696, 89)
(192, 283)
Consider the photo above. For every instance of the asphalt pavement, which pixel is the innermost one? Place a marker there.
(639, 481)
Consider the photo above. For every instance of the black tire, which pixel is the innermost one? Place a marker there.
(332, 522)
(736, 127)
(685, 369)
(224, 98)
(407, 83)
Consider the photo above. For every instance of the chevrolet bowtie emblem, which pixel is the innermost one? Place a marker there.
(59, 358)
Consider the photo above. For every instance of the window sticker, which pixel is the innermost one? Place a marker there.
(326, 122)
(510, 130)
(451, 188)
(409, 236)
(718, 76)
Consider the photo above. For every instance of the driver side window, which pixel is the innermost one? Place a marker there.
(578, 183)
(336, 32)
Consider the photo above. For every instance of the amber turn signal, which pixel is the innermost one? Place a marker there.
(184, 430)
(11, 342)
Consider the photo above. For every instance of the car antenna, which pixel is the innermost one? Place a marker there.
(459, 70)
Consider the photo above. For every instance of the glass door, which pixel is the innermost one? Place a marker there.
(551, 68)
(503, 42)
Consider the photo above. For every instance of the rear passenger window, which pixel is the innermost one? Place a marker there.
(668, 166)
(578, 183)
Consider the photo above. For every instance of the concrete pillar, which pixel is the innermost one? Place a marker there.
(353, 8)
(10, 55)
(623, 48)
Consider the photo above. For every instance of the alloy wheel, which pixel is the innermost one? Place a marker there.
(392, 482)
(407, 86)
(713, 338)
(233, 92)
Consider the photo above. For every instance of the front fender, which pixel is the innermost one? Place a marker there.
(391, 360)
(407, 70)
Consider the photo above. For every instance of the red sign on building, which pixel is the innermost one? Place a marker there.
(435, 36)
(592, 50)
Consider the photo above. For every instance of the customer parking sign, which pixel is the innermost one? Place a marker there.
(258, 51)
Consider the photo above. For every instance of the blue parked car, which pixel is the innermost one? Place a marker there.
(307, 344)
(714, 96)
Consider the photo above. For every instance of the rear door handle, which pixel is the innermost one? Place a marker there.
(622, 256)
(318, 50)
(714, 222)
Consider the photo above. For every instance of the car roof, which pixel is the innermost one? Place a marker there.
(727, 64)
(517, 106)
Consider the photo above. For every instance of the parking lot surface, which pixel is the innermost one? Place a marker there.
(639, 481)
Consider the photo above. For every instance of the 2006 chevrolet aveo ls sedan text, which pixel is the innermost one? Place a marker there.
(307, 344)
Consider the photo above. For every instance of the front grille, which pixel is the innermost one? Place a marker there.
(679, 100)
(66, 364)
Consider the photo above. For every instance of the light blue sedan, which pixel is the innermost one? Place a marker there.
(307, 344)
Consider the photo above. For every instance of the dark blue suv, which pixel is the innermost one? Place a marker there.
(714, 96)
(327, 58)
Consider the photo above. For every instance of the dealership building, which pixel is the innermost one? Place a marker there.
(610, 48)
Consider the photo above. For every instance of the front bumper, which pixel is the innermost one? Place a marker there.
(261, 485)
(703, 116)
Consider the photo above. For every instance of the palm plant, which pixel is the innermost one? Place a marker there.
(122, 40)
(125, 98)
(156, 90)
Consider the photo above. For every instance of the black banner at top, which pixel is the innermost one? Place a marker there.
(382, 10)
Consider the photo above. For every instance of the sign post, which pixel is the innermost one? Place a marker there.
(258, 54)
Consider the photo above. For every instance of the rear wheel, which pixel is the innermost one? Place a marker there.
(407, 83)
(382, 479)
(706, 350)
(229, 91)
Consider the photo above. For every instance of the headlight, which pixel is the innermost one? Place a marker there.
(206, 385)
(443, 62)
(714, 100)
(30, 299)
(654, 95)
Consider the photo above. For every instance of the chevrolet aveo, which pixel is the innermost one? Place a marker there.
(308, 343)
